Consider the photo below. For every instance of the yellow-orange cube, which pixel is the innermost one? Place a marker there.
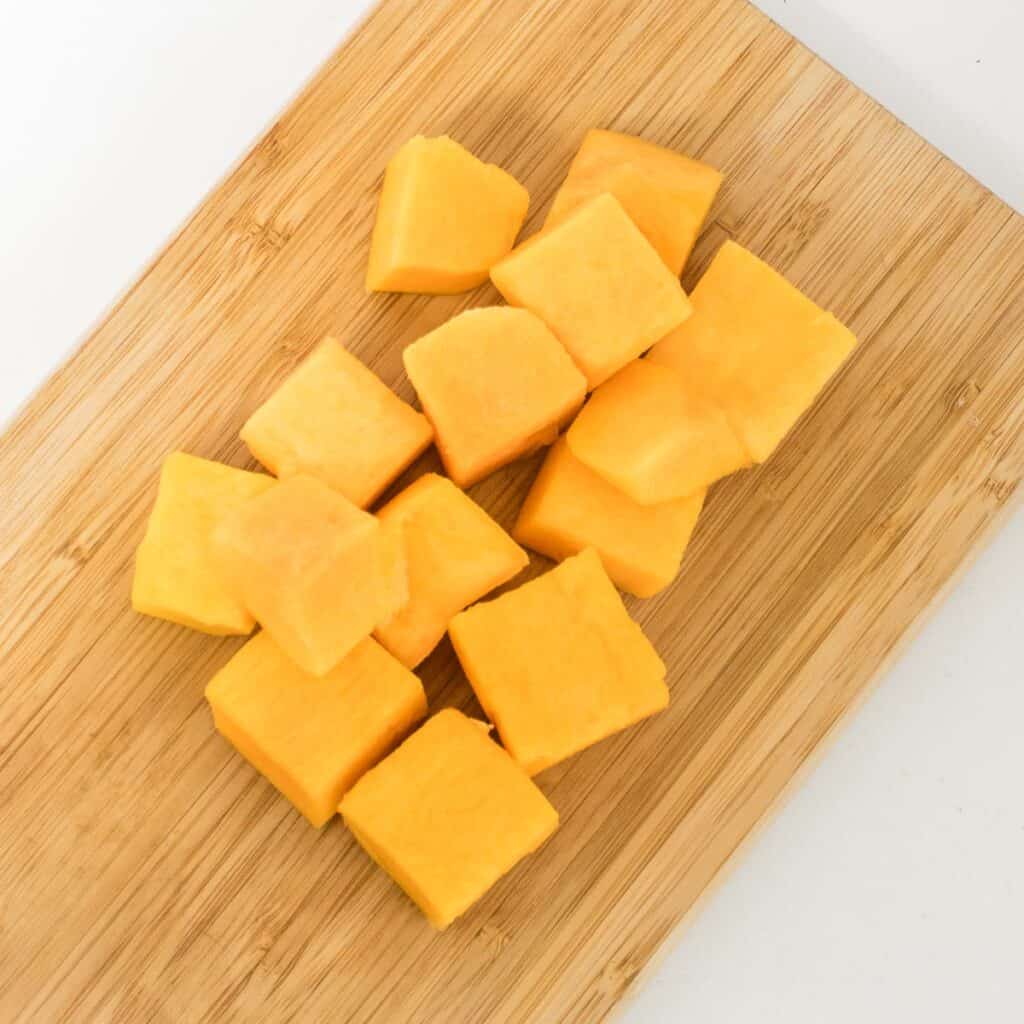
(447, 814)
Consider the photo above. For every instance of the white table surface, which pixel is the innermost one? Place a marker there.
(889, 887)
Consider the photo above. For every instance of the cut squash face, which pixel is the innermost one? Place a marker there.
(496, 384)
(447, 814)
(598, 284)
(444, 219)
(335, 420)
(757, 347)
(557, 664)
(314, 737)
(175, 578)
(316, 572)
(570, 508)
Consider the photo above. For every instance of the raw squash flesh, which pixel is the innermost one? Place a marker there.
(312, 737)
(557, 664)
(335, 420)
(758, 348)
(316, 572)
(444, 219)
(653, 435)
(455, 554)
(447, 814)
(174, 576)
(570, 508)
(496, 384)
(598, 284)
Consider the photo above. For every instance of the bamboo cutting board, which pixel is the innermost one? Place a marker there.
(146, 873)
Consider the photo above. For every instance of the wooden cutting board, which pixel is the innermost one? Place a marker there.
(146, 872)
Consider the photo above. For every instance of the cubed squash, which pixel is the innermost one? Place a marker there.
(316, 572)
(570, 508)
(496, 384)
(314, 737)
(335, 420)
(557, 664)
(598, 284)
(455, 554)
(444, 219)
(653, 435)
(758, 347)
(447, 814)
(174, 576)
(667, 195)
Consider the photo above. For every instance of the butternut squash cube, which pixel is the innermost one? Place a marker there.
(316, 572)
(313, 737)
(174, 576)
(447, 814)
(557, 664)
(444, 219)
(570, 508)
(757, 347)
(336, 420)
(667, 195)
(455, 554)
(650, 433)
(598, 284)
(496, 384)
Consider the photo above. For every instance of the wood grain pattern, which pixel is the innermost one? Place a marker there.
(146, 873)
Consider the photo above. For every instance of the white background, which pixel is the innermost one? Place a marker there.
(889, 887)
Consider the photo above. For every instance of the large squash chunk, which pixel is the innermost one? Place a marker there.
(557, 664)
(447, 814)
(313, 737)
(598, 284)
(667, 195)
(316, 572)
(444, 219)
(496, 384)
(756, 346)
(570, 508)
(174, 576)
(335, 420)
(455, 554)
(653, 435)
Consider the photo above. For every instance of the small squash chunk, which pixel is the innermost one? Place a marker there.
(496, 384)
(570, 508)
(313, 737)
(651, 434)
(336, 420)
(316, 572)
(444, 219)
(667, 195)
(598, 284)
(758, 347)
(447, 814)
(174, 576)
(455, 554)
(557, 664)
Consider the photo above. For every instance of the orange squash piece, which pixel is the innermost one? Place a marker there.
(447, 814)
(570, 508)
(316, 572)
(598, 284)
(174, 576)
(651, 434)
(557, 664)
(496, 384)
(756, 346)
(667, 195)
(444, 219)
(313, 737)
(455, 554)
(334, 419)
